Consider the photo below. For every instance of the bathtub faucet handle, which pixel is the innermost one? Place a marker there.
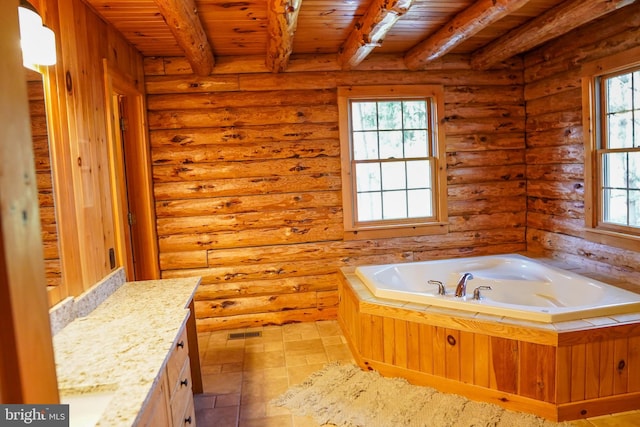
(476, 291)
(441, 290)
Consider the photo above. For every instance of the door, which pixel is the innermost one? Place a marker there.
(130, 162)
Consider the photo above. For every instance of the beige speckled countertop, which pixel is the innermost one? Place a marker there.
(123, 344)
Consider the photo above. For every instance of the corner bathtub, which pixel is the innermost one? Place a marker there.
(521, 288)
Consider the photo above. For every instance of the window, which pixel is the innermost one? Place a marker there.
(612, 114)
(394, 174)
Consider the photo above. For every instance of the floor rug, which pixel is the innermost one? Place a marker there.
(347, 396)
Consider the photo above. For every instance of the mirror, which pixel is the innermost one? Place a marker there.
(49, 229)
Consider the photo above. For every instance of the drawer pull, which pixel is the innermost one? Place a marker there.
(187, 420)
(181, 344)
(184, 382)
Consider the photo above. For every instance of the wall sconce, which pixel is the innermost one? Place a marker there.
(38, 42)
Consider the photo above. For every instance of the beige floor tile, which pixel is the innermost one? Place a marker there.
(208, 369)
(625, 419)
(339, 353)
(224, 400)
(265, 375)
(329, 328)
(263, 391)
(295, 359)
(224, 383)
(232, 367)
(275, 345)
(272, 334)
(315, 359)
(304, 330)
(254, 348)
(204, 401)
(223, 355)
(300, 373)
(253, 410)
(308, 346)
(268, 359)
(333, 340)
(218, 417)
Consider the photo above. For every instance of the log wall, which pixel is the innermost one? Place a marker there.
(555, 150)
(246, 172)
(49, 229)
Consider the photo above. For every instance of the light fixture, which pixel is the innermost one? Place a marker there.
(38, 42)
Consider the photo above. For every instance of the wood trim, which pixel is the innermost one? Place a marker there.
(370, 30)
(401, 228)
(590, 99)
(463, 26)
(589, 133)
(551, 24)
(138, 177)
(62, 167)
(182, 19)
(27, 368)
(194, 352)
(282, 20)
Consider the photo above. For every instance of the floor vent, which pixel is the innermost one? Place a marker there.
(241, 335)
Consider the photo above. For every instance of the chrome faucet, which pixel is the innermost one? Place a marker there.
(441, 290)
(461, 289)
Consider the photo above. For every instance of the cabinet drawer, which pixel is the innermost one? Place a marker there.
(176, 360)
(189, 418)
(182, 395)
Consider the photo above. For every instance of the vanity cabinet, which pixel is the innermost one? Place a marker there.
(179, 381)
(156, 411)
(171, 400)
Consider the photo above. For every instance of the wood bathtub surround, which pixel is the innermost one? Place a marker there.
(561, 371)
(247, 183)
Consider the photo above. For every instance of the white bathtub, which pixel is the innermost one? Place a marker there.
(521, 288)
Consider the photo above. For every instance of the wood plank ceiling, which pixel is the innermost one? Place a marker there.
(419, 31)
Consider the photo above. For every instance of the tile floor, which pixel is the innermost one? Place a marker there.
(242, 375)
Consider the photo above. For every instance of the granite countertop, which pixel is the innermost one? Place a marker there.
(123, 344)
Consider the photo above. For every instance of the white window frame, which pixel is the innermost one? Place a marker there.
(597, 230)
(437, 224)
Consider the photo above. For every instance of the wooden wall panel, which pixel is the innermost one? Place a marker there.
(78, 132)
(555, 153)
(246, 168)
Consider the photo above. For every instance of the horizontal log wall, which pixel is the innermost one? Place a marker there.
(246, 172)
(555, 150)
(49, 229)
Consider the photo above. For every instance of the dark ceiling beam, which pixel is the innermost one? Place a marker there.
(182, 18)
(370, 30)
(282, 20)
(551, 24)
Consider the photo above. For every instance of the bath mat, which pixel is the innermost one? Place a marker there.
(347, 396)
